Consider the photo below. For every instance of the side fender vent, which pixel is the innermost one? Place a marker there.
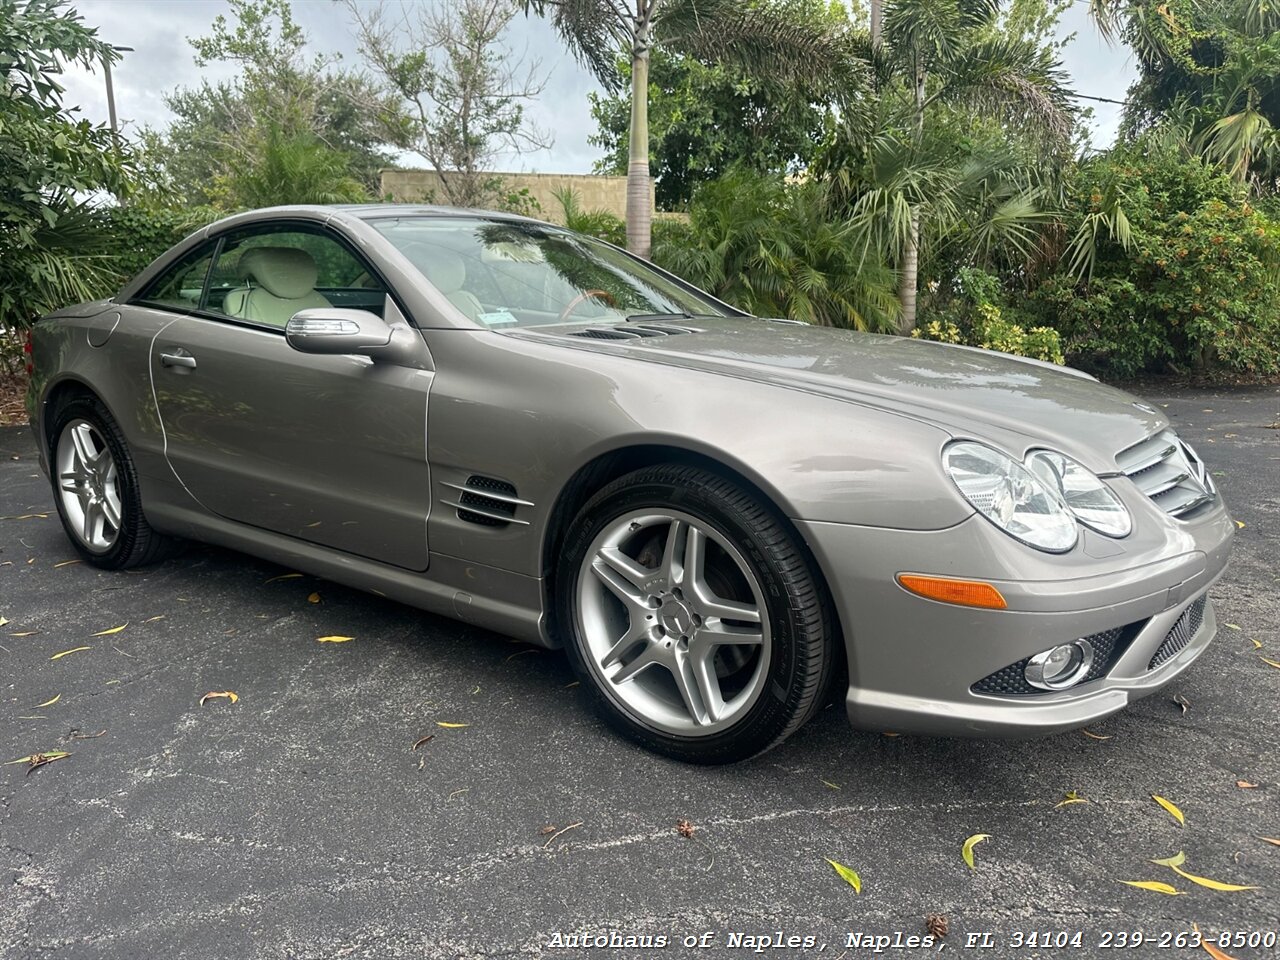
(486, 501)
(634, 331)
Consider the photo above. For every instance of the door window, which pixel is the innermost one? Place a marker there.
(266, 276)
(180, 286)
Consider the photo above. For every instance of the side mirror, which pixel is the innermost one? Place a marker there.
(335, 330)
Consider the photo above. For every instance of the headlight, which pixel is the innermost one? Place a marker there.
(1091, 500)
(1011, 496)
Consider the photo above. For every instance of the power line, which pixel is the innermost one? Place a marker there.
(1085, 96)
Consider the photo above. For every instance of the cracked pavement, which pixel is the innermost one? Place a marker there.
(299, 822)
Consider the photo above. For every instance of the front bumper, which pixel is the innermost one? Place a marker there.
(913, 661)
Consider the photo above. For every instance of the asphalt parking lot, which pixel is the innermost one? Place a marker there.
(301, 822)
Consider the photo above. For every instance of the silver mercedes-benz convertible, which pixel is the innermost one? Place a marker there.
(722, 519)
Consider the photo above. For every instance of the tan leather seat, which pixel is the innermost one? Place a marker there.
(279, 281)
(447, 272)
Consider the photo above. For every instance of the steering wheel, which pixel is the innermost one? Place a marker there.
(585, 295)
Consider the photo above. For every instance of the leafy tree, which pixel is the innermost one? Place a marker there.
(50, 253)
(776, 39)
(772, 248)
(282, 96)
(905, 163)
(461, 90)
(704, 118)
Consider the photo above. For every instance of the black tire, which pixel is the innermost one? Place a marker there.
(802, 653)
(136, 544)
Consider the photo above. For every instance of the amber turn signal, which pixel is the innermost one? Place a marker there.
(966, 593)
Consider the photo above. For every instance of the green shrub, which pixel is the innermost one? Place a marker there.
(974, 315)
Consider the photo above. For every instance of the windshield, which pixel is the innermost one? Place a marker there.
(510, 273)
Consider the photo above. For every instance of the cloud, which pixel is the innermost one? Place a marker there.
(161, 60)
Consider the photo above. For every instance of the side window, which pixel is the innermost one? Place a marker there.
(266, 276)
(180, 286)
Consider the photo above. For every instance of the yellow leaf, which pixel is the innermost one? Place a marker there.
(28, 516)
(967, 850)
(225, 695)
(154, 619)
(1240, 524)
(333, 639)
(1171, 808)
(1270, 663)
(1211, 884)
(1096, 736)
(36, 759)
(3, 621)
(65, 563)
(283, 576)
(25, 633)
(64, 653)
(1233, 626)
(1155, 886)
(1070, 797)
(849, 876)
(1246, 785)
(107, 633)
(313, 598)
(1270, 840)
(49, 703)
(451, 726)
(830, 785)
(1257, 644)
(1177, 860)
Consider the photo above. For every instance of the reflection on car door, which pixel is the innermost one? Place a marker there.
(329, 449)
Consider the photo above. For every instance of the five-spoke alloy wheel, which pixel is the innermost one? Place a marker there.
(693, 613)
(89, 485)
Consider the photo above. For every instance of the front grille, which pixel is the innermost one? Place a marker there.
(1181, 633)
(1168, 471)
(1011, 681)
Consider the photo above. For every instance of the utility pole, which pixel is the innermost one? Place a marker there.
(111, 94)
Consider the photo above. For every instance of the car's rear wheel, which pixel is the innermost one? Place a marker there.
(95, 487)
(694, 615)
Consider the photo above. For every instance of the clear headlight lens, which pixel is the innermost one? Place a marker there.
(1011, 496)
(1091, 500)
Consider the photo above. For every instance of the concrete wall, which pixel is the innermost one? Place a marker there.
(594, 192)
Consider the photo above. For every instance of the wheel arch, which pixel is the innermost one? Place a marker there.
(609, 466)
(59, 392)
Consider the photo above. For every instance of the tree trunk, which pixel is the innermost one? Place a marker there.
(909, 276)
(639, 206)
(877, 15)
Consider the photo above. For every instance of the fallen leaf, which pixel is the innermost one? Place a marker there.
(1242, 784)
(333, 639)
(1240, 524)
(224, 695)
(889, 734)
(967, 850)
(1096, 736)
(40, 759)
(829, 784)
(1270, 663)
(1270, 840)
(3, 621)
(313, 598)
(476, 690)
(548, 829)
(1070, 797)
(522, 653)
(284, 576)
(1233, 626)
(154, 619)
(849, 876)
(936, 924)
(87, 736)
(25, 633)
(1182, 701)
(1171, 808)
(1177, 860)
(65, 563)
(49, 703)
(1210, 949)
(685, 828)
(570, 686)
(1155, 886)
(316, 524)
(107, 633)
(28, 516)
(423, 740)
(451, 726)
(1257, 644)
(65, 653)
(1211, 884)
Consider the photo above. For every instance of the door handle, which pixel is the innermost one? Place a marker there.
(178, 360)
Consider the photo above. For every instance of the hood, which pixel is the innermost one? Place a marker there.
(969, 392)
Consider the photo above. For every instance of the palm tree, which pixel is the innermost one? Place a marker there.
(777, 39)
(943, 66)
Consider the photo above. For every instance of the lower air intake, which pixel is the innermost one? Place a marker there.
(1181, 633)
(1107, 646)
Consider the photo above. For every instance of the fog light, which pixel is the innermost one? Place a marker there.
(1060, 667)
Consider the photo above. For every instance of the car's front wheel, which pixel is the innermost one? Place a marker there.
(694, 615)
(95, 487)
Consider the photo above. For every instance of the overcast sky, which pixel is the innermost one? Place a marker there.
(161, 60)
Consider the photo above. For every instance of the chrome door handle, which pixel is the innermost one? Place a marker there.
(178, 360)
